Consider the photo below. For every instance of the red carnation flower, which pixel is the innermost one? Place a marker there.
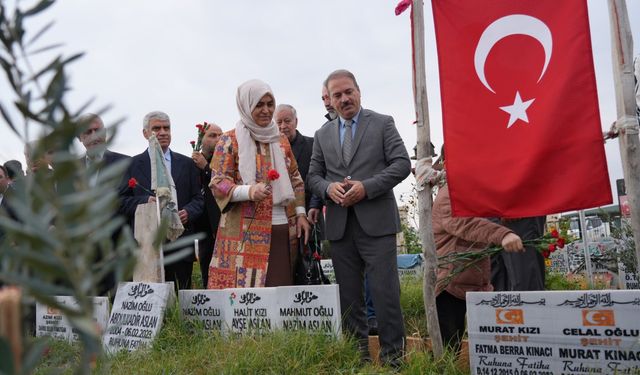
(199, 126)
(546, 253)
(316, 256)
(132, 182)
(273, 175)
(192, 143)
(555, 234)
(560, 243)
(552, 247)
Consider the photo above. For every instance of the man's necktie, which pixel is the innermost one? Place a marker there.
(346, 142)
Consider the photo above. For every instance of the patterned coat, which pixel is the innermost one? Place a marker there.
(241, 252)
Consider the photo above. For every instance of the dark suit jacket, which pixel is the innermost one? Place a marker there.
(6, 211)
(379, 159)
(208, 222)
(187, 180)
(302, 148)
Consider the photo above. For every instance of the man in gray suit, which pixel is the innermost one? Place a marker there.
(357, 160)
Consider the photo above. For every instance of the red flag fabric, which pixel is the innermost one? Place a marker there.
(520, 109)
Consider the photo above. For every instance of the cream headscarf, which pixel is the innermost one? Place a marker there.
(247, 132)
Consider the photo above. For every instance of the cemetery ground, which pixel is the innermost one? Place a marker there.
(186, 348)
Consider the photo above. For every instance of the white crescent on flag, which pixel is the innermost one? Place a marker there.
(515, 24)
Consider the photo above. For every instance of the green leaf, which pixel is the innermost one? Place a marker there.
(40, 289)
(178, 255)
(72, 58)
(52, 65)
(8, 69)
(18, 30)
(40, 33)
(6, 357)
(33, 356)
(44, 49)
(56, 89)
(42, 5)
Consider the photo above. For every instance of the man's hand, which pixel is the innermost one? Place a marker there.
(302, 225)
(512, 243)
(184, 216)
(312, 215)
(355, 193)
(199, 160)
(259, 192)
(336, 192)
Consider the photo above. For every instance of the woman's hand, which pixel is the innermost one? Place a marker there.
(303, 225)
(259, 191)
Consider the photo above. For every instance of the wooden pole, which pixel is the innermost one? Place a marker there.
(627, 122)
(424, 196)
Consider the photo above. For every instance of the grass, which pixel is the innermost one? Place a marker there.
(412, 302)
(182, 348)
(185, 348)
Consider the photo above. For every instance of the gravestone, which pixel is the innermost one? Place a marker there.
(313, 308)
(554, 332)
(52, 322)
(137, 315)
(250, 310)
(327, 268)
(206, 306)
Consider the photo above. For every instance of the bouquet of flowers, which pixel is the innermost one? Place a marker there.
(202, 128)
(550, 242)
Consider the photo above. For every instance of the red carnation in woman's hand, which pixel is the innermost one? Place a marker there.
(132, 182)
(560, 243)
(273, 175)
(555, 234)
(552, 247)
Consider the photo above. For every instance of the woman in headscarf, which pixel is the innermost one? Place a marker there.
(256, 183)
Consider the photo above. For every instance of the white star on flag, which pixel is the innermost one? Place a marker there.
(518, 110)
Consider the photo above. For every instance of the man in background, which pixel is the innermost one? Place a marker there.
(14, 169)
(186, 178)
(208, 222)
(94, 139)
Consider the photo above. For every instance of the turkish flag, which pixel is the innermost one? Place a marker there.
(520, 108)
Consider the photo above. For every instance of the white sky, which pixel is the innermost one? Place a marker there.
(188, 57)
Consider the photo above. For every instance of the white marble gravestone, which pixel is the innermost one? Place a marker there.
(51, 321)
(206, 306)
(250, 310)
(313, 308)
(137, 314)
